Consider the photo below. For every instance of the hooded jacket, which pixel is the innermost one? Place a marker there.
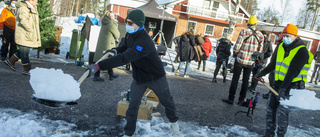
(207, 46)
(108, 34)
(186, 51)
(223, 49)
(27, 32)
(139, 49)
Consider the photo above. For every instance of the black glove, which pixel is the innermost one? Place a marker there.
(93, 69)
(113, 51)
(281, 93)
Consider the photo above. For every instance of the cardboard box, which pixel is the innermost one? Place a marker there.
(145, 109)
(152, 96)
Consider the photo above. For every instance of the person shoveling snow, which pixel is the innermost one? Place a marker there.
(52, 84)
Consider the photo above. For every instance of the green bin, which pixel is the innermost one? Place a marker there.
(73, 47)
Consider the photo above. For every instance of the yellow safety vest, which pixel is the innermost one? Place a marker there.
(282, 64)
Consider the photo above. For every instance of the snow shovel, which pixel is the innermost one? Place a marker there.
(85, 74)
(268, 86)
(59, 104)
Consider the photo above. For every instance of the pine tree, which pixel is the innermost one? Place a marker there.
(47, 25)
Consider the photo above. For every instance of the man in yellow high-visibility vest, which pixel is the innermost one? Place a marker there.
(291, 62)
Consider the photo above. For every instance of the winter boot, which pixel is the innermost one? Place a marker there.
(214, 80)
(11, 61)
(177, 72)
(113, 76)
(97, 78)
(175, 129)
(26, 69)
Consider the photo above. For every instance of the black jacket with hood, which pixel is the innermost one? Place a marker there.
(223, 49)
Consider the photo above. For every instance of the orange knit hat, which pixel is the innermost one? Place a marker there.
(291, 29)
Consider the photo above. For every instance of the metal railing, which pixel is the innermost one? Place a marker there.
(214, 13)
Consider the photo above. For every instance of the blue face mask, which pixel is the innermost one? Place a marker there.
(13, 5)
(277, 38)
(287, 40)
(129, 29)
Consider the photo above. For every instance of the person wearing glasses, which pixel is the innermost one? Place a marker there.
(147, 71)
(291, 62)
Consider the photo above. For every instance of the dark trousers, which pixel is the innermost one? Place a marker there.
(277, 116)
(315, 70)
(255, 70)
(235, 78)
(204, 64)
(23, 54)
(161, 89)
(218, 65)
(8, 39)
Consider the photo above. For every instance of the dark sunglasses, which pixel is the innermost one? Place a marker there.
(129, 23)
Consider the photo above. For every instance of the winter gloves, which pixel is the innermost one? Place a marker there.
(281, 95)
(93, 69)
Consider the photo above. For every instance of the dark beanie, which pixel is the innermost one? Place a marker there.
(137, 16)
(264, 32)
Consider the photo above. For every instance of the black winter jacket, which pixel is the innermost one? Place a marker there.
(139, 50)
(186, 51)
(223, 49)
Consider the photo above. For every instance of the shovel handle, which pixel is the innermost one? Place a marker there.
(268, 86)
(86, 74)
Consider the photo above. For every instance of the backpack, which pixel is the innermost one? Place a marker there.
(199, 40)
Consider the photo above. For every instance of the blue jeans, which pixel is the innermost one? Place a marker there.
(23, 54)
(187, 66)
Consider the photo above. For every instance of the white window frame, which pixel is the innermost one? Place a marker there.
(309, 40)
(206, 30)
(194, 30)
(223, 30)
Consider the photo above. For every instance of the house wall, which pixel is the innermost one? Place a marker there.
(201, 26)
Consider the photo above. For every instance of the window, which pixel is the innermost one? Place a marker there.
(192, 25)
(215, 4)
(210, 4)
(225, 32)
(307, 42)
(209, 30)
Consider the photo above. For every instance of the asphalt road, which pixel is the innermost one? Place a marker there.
(197, 100)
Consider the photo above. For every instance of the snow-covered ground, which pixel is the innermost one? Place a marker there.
(14, 123)
(25, 124)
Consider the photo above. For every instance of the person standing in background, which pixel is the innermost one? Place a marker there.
(27, 24)
(316, 68)
(186, 51)
(223, 52)
(8, 20)
(207, 46)
(108, 35)
(249, 41)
